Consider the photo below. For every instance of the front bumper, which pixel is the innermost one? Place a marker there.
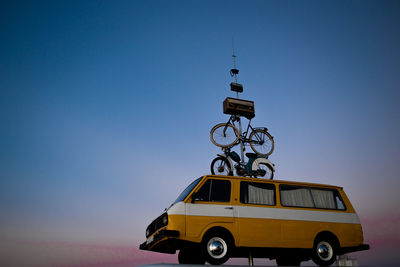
(153, 242)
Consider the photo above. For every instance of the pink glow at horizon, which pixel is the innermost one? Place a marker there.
(67, 254)
(381, 233)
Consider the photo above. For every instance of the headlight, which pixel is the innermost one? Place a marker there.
(165, 220)
(147, 232)
(158, 223)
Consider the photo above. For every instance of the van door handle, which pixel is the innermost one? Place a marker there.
(228, 208)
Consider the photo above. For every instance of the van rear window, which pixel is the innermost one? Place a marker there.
(306, 197)
(257, 193)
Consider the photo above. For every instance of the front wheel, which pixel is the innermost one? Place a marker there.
(265, 171)
(217, 248)
(261, 142)
(224, 135)
(324, 252)
(221, 166)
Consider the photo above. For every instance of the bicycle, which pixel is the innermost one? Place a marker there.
(257, 166)
(227, 135)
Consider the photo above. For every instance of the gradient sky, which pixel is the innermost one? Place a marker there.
(106, 108)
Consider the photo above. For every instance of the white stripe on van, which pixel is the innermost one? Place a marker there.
(263, 213)
(295, 214)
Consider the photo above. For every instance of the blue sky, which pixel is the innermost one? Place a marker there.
(106, 106)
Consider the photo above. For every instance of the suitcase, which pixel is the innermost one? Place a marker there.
(237, 87)
(240, 107)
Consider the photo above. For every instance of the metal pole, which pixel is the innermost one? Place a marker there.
(240, 132)
(237, 96)
(241, 142)
(251, 263)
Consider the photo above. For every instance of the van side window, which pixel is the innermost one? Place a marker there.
(257, 193)
(339, 203)
(215, 190)
(323, 199)
(296, 196)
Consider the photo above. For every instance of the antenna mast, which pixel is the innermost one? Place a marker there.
(234, 70)
(236, 87)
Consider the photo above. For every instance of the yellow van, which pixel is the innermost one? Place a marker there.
(218, 217)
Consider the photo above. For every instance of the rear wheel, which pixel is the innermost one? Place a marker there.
(217, 248)
(265, 171)
(324, 251)
(261, 142)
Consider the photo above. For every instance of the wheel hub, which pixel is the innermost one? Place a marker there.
(262, 173)
(216, 248)
(324, 251)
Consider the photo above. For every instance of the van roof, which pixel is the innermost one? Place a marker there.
(274, 181)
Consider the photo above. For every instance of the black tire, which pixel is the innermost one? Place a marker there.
(190, 256)
(216, 248)
(221, 166)
(261, 142)
(224, 135)
(324, 251)
(269, 171)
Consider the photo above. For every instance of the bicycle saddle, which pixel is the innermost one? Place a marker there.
(251, 155)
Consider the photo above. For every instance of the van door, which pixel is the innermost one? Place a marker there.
(211, 206)
(257, 215)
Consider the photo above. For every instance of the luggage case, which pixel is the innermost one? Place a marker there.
(240, 107)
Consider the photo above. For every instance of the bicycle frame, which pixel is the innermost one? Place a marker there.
(260, 141)
(243, 136)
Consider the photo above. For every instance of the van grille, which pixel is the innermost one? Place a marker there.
(157, 224)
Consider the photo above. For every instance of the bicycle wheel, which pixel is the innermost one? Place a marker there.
(261, 142)
(224, 135)
(265, 171)
(221, 166)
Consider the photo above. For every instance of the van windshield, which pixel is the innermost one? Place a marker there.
(187, 191)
